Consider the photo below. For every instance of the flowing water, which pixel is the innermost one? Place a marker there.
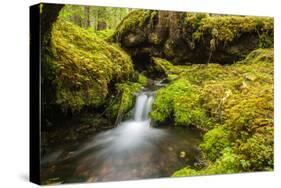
(132, 150)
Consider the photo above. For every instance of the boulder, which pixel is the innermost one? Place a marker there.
(192, 38)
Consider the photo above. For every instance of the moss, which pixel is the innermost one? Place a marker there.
(142, 79)
(228, 163)
(84, 65)
(161, 65)
(239, 99)
(135, 19)
(179, 101)
(123, 101)
(227, 28)
(260, 56)
(105, 34)
(257, 151)
(214, 142)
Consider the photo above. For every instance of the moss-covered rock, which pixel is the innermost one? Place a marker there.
(234, 103)
(179, 101)
(161, 65)
(185, 38)
(142, 79)
(104, 34)
(83, 66)
(214, 142)
(130, 30)
(123, 101)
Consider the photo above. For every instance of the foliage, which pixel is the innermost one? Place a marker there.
(135, 19)
(214, 143)
(228, 163)
(84, 66)
(161, 65)
(227, 28)
(124, 99)
(259, 56)
(232, 103)
(179, 101)
(257, 151)
(142, 79)
(193, 38)
(237, 103)
(80, 15)
(105, 34)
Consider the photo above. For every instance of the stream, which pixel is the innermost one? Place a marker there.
(132, 150)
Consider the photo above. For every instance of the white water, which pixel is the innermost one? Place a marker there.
(143, 106)
(132, 150)
(130, 134)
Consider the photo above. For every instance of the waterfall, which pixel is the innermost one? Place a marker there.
(143, 106)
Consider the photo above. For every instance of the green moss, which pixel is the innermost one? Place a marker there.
(257, 151)
(179, 101)
(84, 65)
(227, 28)
(260, 56)
(142, 79)
(228, 163)
(124, 100)
(105, 34)
(161, 65)
(239, 99)
(135, 19)
(214, 142)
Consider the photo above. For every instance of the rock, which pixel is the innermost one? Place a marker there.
(185, 38)
(79, 67)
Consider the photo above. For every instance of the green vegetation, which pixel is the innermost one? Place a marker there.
(179, 101)
(84, 66)
(105, 34)
(142, 79)
(227, 164)
(227, 28)
(135, 19)
(161, 65)
(193, 38)
(124, 100)
(215, 141)
(95, 18)
(218, 74)
(239, 100)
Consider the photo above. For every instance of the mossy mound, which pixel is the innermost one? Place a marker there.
(84, 66)
(233, 103)
(180, 102)
(192, 38)
(161, 65)
(227, 28)
(104, 34)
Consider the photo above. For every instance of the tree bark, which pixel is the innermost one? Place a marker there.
(87, 16)
(49, 15)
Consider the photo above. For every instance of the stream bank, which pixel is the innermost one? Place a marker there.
(132, 150)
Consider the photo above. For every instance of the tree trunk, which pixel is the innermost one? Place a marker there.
(77, 20)
(49, 15)
(101, 25)
(87, 16)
